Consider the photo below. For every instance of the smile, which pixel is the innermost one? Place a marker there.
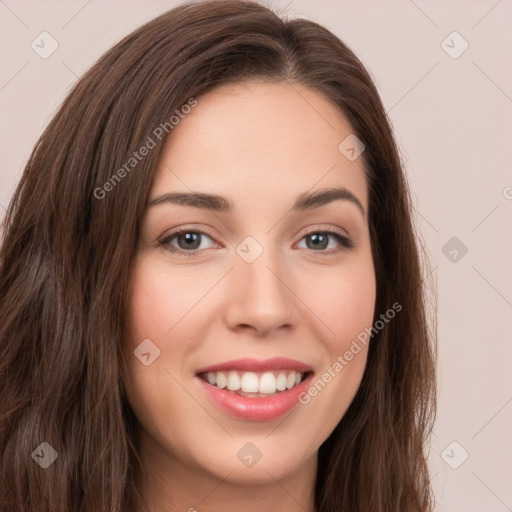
(254, 384)
(257, 390)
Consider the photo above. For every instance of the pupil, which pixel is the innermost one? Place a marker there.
(190, 237)
(316, 237)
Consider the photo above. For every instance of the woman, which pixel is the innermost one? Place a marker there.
(210, 284)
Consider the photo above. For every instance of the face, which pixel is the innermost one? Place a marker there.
(255, 297)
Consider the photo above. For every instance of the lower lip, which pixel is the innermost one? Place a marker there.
(256, 409)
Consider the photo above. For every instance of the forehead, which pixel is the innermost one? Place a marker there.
(260, 141)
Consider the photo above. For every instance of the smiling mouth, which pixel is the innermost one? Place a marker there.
(255, 384)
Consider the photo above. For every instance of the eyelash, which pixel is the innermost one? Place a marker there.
(345, 242)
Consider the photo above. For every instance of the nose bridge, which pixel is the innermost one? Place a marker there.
(258, 291)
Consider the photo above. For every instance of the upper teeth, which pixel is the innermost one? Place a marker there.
(252, 382)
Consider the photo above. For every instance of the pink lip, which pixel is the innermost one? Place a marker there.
(256, 409)
(258, 365)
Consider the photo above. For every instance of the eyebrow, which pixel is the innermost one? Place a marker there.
(213, 202)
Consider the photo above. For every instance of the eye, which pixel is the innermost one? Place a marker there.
(186, 241)
(319, 241)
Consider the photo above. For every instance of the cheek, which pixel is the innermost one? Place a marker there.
(343, 299)
(156, 309)
(345, 302)
(151, 319)
(160, 300)
(354, 307)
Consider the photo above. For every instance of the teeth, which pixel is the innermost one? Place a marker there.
(281, 382)
(233, 381)
(251, 382)
(267, 383)
(221, 381)
(290, 381)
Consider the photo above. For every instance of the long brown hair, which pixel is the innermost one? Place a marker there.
(68, 254)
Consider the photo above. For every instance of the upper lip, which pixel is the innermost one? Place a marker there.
(258, 365)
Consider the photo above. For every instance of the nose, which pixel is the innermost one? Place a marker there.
(260, 298)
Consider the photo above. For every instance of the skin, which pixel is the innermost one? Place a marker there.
(258, 145)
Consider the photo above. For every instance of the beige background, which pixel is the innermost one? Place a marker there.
(452, 118)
